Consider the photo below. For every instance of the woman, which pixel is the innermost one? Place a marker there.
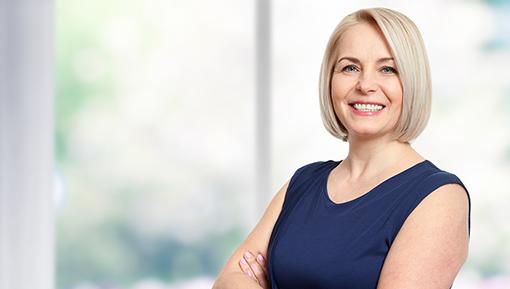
(384, 217)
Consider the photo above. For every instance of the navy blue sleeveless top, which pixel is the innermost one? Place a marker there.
(318, 244)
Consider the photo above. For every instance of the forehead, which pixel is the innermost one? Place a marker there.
(363, 40)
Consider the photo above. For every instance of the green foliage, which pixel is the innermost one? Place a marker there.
(112, 252)
(76, 31)
(97, 241)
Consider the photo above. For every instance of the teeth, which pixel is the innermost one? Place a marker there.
(367, 107)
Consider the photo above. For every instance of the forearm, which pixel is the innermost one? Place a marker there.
(235, 281)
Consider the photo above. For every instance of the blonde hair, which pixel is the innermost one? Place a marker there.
(411, 60)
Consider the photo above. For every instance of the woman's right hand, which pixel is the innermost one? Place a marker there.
(255, 268)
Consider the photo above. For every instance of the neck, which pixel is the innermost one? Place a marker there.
(367, 158)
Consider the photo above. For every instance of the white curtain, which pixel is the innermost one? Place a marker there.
(26, 144)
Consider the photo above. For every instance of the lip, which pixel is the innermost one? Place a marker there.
(366, 113)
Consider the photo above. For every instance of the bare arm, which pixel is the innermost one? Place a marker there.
(232, 277)
(432, 245)
(235, 280)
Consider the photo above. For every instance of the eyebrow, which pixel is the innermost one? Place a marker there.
(355, 60)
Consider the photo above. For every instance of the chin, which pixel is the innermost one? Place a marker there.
(366, 134)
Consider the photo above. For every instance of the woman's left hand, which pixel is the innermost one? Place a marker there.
(255, 268)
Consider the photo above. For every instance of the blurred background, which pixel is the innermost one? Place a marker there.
(156, 129)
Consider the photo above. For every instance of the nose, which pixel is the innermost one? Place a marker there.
(366, 83)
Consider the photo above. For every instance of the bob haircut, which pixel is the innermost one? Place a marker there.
(412, 63)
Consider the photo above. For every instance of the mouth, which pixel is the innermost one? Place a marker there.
(367, 106)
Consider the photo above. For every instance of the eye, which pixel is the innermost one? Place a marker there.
(350, 68)
(389, 69)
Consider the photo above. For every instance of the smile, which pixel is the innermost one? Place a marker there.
(366, 109)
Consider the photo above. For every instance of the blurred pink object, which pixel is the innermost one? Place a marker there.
(496, 282)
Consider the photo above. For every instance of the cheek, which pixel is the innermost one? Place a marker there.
(339, 89)
(337, 95)
(395, 93)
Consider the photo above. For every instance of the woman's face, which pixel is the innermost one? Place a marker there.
(365, 73)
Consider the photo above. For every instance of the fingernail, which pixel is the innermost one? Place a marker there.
(243, 261)
(260, 258)
(248, 255)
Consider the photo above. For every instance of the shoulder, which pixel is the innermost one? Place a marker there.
(432, 244)
(447, 187)
(443, 186)
(309, 171)
(314, 167)
(437, 177)
(445, 198)
(442, 192)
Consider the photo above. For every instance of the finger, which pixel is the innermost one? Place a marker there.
(247, 269)
(262, 261)
(256, 268)
(264, 280)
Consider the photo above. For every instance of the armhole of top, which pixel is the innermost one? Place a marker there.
(438, 179)
(296, 179)
(423, 188)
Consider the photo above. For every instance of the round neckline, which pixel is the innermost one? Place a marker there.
(330, 202)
